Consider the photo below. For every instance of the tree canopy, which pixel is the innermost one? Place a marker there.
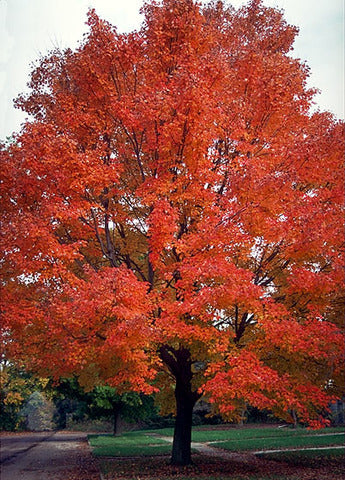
(172, 216)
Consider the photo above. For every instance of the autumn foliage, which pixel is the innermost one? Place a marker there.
(172, 216)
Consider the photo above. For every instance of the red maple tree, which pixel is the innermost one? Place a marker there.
(171, 217)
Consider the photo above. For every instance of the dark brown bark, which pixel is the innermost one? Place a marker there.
(180, 365)
(185, 401)
(117, 407)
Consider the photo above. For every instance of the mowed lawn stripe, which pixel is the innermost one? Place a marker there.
(131, 451)
(279, 442)
(124, 439)
(246, 433)
(128, 444)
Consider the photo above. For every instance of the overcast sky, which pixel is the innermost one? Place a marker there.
(29, 28)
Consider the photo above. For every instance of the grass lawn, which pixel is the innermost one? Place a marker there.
(128, 444)
(153, 453)
(271, 442)
(204, 435)
(306, 457)
(249, 439)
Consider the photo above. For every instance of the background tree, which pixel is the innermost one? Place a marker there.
(38, 412)
(16, 386)
(102, 402)
(173, 212)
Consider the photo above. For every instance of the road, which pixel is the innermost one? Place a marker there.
(41, 456)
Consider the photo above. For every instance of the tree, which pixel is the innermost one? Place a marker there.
(105, 402)
(102, 402)
(16, 388)
(38, 412)
(172, 216)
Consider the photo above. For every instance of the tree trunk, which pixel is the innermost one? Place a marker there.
(180, 364)
(116, 414)
(185, 401)
(294, 416)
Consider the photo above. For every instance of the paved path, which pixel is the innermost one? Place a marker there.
(54, 456)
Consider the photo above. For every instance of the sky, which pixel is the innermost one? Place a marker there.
(30, 28)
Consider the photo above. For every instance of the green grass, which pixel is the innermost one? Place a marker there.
(307, 458)
(247, 439)
(307, 454)
(212, 434)
(128, 444)
(265, 443)
(153, 455)
(133, 451)
(165, 432)
(129, 438)
(236, 434)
